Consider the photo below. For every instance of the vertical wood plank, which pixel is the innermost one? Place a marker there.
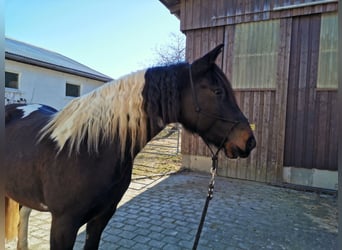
(229, 52)
(257, 133)
(271, 169)
(196, 14)
(183, 15)
(265, 134)
(301, 94)
(249, 115)
(321, 132)
(260, 142)
(333, 139)
(292, 92)
(310, 109)
(189, 11)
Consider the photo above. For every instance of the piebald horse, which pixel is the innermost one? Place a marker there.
(77, 163)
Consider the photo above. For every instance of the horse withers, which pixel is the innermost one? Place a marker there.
(77, 163)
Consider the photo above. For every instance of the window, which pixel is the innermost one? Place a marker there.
(256, 55)
(72, 90)
(11, 80)
(327, 61)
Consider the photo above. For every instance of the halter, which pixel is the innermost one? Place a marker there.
(199, 111)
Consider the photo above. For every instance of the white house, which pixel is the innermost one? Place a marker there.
(37, 75)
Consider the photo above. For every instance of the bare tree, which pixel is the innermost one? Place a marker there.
(171, 52)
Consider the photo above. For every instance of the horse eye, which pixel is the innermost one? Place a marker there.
(218, 91)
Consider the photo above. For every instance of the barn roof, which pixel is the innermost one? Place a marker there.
(26, 53)
(173, 6)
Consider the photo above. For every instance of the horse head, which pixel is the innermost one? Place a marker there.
(209, 108)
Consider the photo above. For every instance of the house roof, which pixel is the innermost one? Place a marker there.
(173, 6)
(33, 55)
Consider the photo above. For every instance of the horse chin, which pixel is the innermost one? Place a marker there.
(231, 154)
(232, 151)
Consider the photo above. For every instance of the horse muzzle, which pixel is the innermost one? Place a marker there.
(241, 147)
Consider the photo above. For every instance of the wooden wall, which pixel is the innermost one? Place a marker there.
(273, 110)
(311, 125)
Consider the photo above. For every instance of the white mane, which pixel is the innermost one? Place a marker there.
(114, 109)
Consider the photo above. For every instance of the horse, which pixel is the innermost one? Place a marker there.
(76, 163)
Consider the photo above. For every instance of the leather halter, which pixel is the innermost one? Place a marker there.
(199, 110)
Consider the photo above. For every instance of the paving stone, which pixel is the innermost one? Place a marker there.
(171, 240)
(156, 235)
(171, 247)
(142, 231)
(186, 244)
(156, 228)
(156, 244)
(123, 243)
(169, 232)
(112, 238)
(126, 234)
(143, 225)
(141, 239)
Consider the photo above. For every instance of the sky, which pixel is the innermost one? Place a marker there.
(114, 37)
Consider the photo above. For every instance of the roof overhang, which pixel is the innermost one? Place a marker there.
(34, 62)
(173, 6)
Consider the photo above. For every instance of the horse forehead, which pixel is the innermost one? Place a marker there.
(30, 108)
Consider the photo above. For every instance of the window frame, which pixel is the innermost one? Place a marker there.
(18, 80)
(73, 85)
(328, 54)
(254, 55)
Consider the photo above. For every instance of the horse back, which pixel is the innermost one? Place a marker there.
(14, 112)
(23, 123)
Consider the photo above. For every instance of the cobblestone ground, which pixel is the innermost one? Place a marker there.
(164, 212)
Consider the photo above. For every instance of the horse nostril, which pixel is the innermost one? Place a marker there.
(251, 143)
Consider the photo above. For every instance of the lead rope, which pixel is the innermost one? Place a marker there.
(214, 158)
(209, 197)
(213, 171)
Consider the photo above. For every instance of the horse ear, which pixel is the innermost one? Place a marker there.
(205, 62)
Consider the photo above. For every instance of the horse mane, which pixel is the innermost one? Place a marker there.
(161, 95)
(112, 110)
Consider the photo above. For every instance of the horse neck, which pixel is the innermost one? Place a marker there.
(161, 96)
(131, 110)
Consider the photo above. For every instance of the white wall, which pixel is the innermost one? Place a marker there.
(45, 86)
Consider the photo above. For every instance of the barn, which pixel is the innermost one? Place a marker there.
(281, 58)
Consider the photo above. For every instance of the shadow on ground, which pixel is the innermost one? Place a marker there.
(242, 215)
